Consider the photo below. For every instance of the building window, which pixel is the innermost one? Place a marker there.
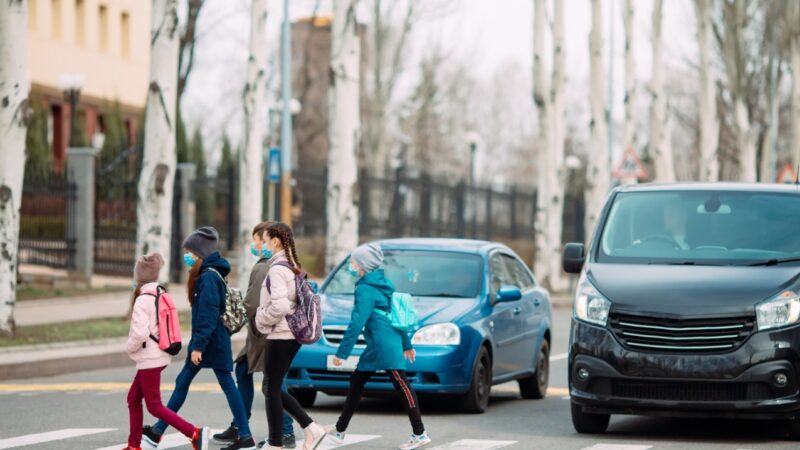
(32, 15)
(55, 14)
(103, 25)
(125, 31)
(80, 22)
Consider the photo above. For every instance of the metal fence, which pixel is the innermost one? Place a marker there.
(216, 205)
(47, 209)
(115, 214)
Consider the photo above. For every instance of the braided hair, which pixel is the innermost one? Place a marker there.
(283, 233)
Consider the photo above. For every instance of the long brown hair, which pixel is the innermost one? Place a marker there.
(284, 234)
(194, 275)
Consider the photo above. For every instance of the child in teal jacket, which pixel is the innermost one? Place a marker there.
(387, 348)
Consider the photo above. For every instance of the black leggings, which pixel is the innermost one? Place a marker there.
(278, 356)
(401, 386)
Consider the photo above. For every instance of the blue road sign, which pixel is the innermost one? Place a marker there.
(274, 165)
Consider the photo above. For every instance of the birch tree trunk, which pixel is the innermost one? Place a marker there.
(597, 171)
(156, 183)
(709, 122)
(662, 154)
(251, 159)
(629, 132)
(540, 100)
(342, 195)
(14, 116)
(795, 61)
(766, 173)
(557, 175)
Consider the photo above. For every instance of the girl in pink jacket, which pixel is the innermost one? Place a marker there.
(150, 359)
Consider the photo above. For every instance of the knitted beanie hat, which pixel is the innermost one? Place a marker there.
(147, 268)
(369, 257)
(202, 241)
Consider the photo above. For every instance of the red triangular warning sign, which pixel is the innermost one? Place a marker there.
(630, 166)
(787, 175)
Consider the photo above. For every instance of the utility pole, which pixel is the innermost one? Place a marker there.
(286, 118)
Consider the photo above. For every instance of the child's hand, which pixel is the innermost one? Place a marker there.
(197, 357)
(410, 355)
(337, 362)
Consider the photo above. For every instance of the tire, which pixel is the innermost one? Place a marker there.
(476, 400)
(535, 386)
(588, 423)
(306, 397)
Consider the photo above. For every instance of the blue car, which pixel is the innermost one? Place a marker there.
(483, 320)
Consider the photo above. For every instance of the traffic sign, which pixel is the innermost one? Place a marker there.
(787, 175)
(630, 167)
(274, 165)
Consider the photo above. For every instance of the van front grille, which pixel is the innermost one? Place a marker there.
(656, 334)
(690, 391)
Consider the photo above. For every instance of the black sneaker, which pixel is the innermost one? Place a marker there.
(228, 436)
(289, 441)
(200, 438)
(150, 436)
(242, 444)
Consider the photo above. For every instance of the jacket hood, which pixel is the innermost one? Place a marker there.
(377, 279)
(217, 262)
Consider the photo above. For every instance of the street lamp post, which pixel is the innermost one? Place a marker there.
(286, 118)
(71, 85)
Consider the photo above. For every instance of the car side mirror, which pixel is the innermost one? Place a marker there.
(508, 294)
(314, 286)
(573, 258)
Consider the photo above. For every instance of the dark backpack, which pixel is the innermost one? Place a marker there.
(306, 321)
(234, 316)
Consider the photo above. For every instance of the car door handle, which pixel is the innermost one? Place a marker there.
(517, 310)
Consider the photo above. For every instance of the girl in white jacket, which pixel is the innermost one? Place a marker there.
(151, 360)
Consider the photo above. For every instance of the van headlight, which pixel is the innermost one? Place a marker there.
(779, 311)
(590, 305)
(438, 334)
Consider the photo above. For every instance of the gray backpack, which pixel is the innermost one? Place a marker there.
(235, 315)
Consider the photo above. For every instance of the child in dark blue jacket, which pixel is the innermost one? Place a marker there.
(210, 344)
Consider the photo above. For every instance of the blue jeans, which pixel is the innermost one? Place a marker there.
(225, 380)
(244, 380)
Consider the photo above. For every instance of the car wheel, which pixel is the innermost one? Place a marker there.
(476, 400)
(535, 386)
(306, 397)
(585, 423)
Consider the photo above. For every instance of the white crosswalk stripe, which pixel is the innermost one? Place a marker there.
(349, 439)
(474, 444)
(50, 436)
(173, 440)
(618, 447)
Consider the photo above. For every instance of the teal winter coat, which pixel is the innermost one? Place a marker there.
(385, 344)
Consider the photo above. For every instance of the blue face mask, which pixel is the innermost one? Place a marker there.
(189, 259)
(254, 251)
(133, 285)
(352, 271)
(265, 252)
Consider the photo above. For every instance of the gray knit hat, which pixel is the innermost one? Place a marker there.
(147, 268)
(202, 241)
(369, 257)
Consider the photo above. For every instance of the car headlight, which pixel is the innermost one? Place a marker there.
(590, 305)
(437, 334)
(779, 311)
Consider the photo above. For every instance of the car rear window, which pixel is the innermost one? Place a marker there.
(422, 274)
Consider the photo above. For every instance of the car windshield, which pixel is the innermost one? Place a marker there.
(422, 274)
(702, 227)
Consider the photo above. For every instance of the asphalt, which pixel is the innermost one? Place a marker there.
(93, 404)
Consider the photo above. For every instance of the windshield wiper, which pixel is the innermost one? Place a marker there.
(776, 261)
(685, 263)
(441, 294)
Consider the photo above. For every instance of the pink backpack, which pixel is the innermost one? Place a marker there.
(169, 327)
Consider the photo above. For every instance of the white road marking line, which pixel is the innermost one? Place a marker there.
(474, 444)
(558, 357)
(617, 447)
(39, 438)
(171, 440)
(349, 439)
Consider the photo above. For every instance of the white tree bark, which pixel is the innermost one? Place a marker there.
(14, 113)
(251, 160)
(795, 61)
(542, 264)
(154, 209)
(597, 171)
(709, 122)
(342, 195)
(557, 176)
(629, 132)
(662, 154)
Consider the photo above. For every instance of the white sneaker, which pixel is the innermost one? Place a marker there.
(314, 435)
(416, 442)
(334, 436)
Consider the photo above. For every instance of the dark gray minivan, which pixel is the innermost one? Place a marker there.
(688, 305)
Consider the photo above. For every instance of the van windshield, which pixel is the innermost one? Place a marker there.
(702, 227)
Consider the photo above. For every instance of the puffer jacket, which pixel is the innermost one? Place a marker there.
(278, 301)
(141, 348)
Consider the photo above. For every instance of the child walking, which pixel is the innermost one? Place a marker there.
(387, 348)
(210, 345)
(150, 359)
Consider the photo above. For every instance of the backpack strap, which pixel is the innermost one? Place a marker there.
(211, 269)
(278, 263)
(156, 296)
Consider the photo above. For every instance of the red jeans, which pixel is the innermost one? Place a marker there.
(147, 385)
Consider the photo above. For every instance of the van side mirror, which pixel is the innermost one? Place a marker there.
(573, 258)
